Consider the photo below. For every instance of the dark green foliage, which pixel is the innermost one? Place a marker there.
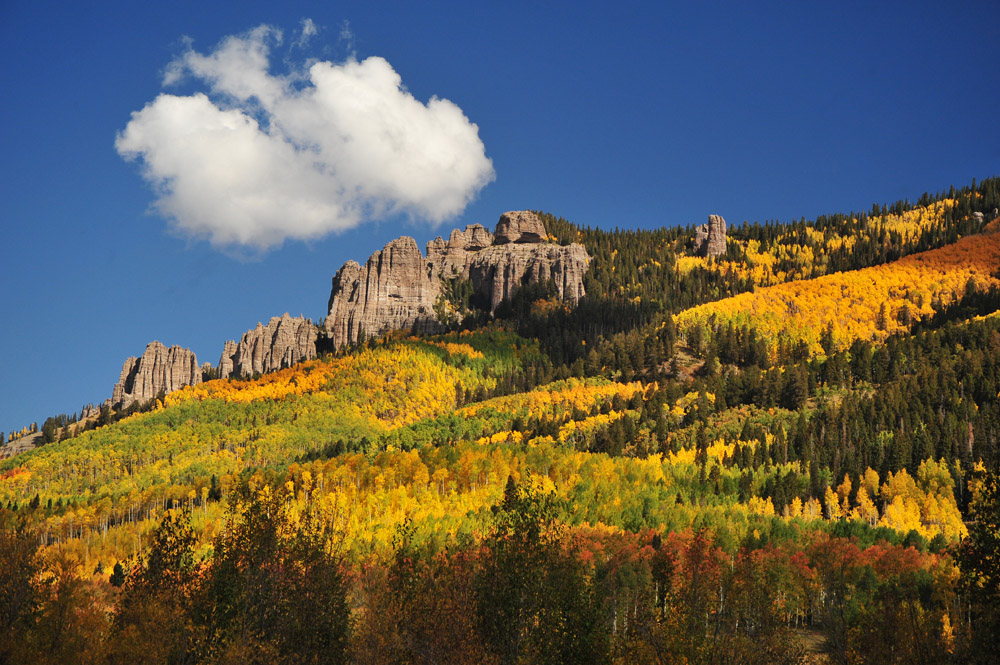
(153, 614)
(20, 598)
(273, 591)
(117, 578)
(633, 286)
(979, 560)
(532, 599)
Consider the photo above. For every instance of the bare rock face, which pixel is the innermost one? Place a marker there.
(20, 445)
(520, 226)
(398, 288)
(700, 238)
(283, 342)
(393, 291)
(518, 255)
(498, 271)
(451, 259)
(159, 369)
(710, 238)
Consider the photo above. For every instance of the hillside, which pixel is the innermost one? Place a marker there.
(870, 304)
(549, 486)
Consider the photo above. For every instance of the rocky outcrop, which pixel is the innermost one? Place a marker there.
(710, 238)
(20, 445)
(519, 256)
(452, 259)
(283, 342)
(398, 288)
(498, 271)
(393, 291)
(520, 226)
(226, 360)
(159, 369)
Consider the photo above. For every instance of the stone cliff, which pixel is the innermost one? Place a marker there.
(393, 291)
(710, 238)
(283, 342)
(497, 272)
(450, 260)
(159, 369)
(398, 287)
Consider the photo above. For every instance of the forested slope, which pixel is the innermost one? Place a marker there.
(702, 462)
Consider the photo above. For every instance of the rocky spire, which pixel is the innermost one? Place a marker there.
(159, 369)
(393, 291)
(710, 238)
(284, 341)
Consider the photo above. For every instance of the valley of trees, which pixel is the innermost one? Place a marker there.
(785, 454)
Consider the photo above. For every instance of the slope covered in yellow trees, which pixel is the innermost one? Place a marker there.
(387, 386)
(557, 399)
(445, 494)
(868, 304)
(804, 251)
(182, 449)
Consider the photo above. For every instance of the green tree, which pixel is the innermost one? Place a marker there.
(979, 561)
(153, 620)
(274, 591)
(533, 603)
(117, 578)
(18, 568)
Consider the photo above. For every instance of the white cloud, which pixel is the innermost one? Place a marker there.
(309, 30)
(347, 36)
(259, 158)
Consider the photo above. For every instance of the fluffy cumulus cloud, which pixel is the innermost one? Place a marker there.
(256, 158)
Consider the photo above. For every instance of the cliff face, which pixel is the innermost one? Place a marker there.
(158, 369)
(393, 291)
(498, 271)
(283, 342)
(397, 288)
(451, 259)
(710, 238)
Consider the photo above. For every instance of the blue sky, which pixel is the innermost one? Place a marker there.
(639, 116)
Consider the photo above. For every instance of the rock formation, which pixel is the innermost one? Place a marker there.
(452, 259)
(283, 342)
(710, 238)
(520, 226)
(496, 272)
(159, 369)
(497, 264)
(226, 360)
(398, 288)
(393, 291)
